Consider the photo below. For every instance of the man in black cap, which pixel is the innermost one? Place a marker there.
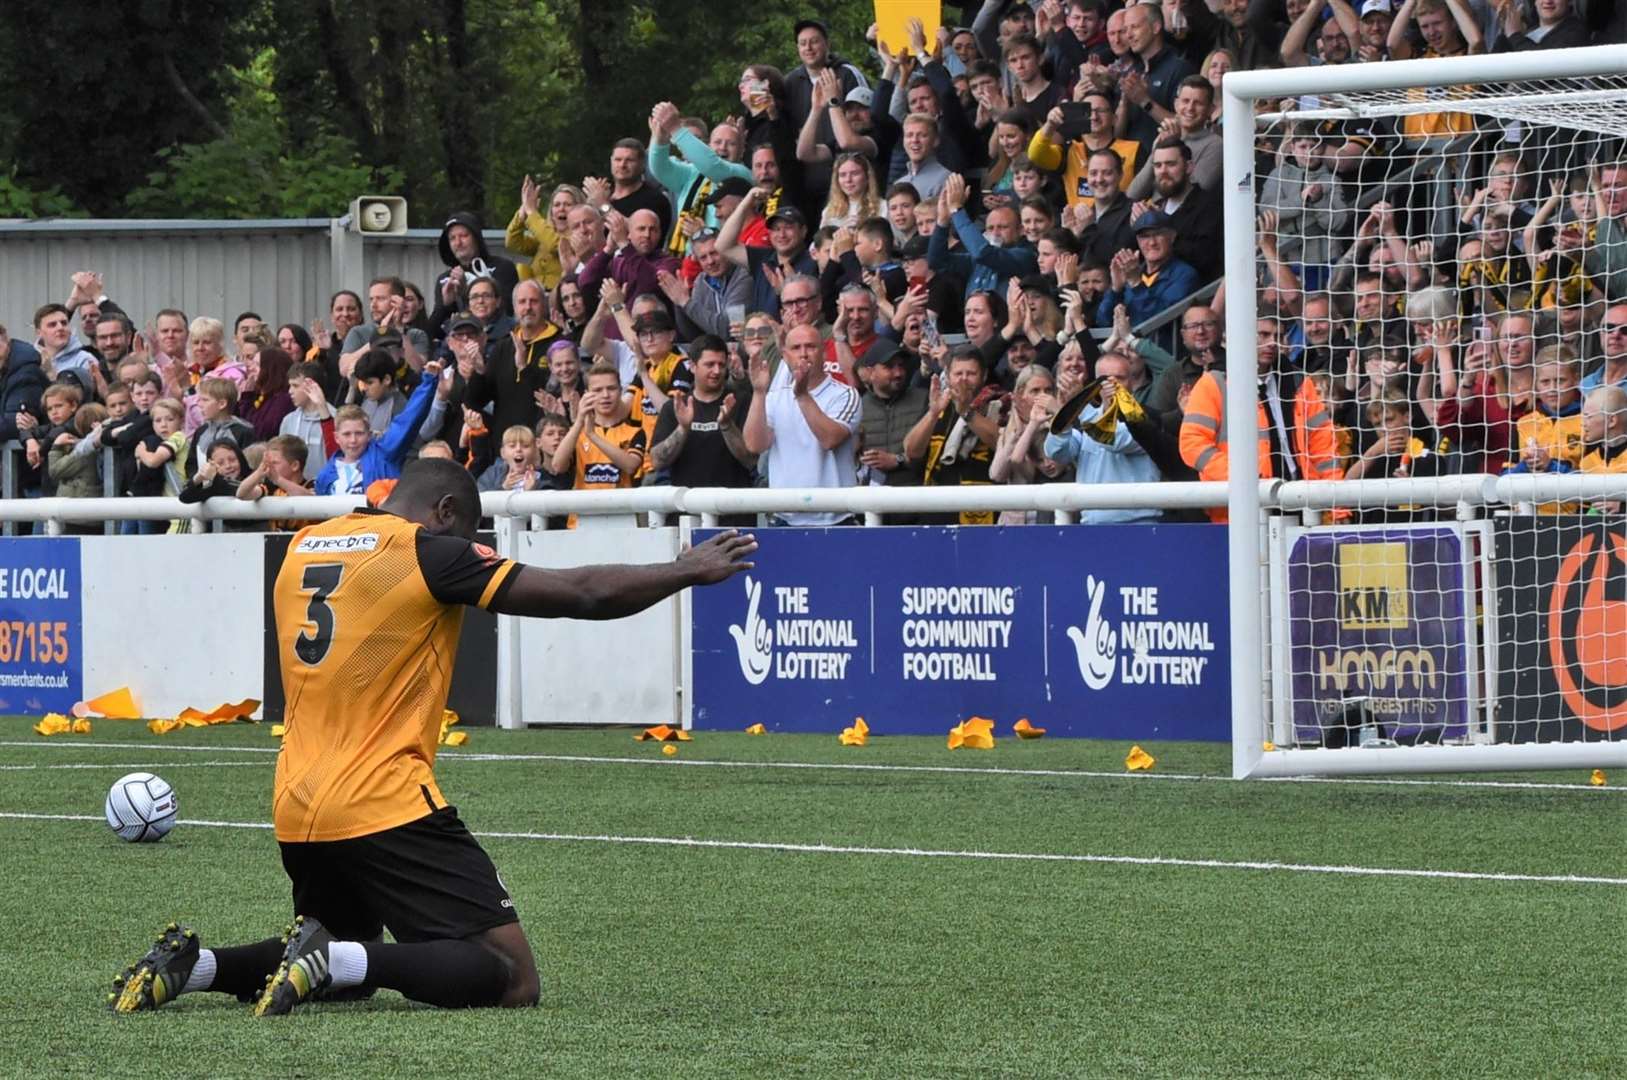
(813, 46)
(786, 255)
(891, 407)
(944, 290)
(1151, 280)
(697, 440)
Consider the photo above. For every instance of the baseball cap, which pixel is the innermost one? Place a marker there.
(884, 351)
(732, 186)
(1039, 283)
(788, 213)
(653, 321)
(803, 24)
(860, 95)
(1375, 5)
(389, 339)
(914, 248)
(464, 322)
(1154, 221)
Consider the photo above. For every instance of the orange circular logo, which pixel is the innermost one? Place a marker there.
(1587, 631)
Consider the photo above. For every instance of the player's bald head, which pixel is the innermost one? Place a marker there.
(438, 494)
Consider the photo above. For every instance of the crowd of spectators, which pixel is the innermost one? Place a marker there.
(898, 265)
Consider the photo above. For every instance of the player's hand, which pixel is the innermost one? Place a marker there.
(720, 558)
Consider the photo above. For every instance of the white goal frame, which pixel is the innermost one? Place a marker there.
(1248, 539)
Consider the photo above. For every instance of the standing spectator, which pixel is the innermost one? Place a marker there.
(955, 438)
(61, 352)
(517, 467)
(813, 48)
(988, 261)
(1194, 213)
(344, 312)
(1606, 259)
(463, 251)
(785, 256)
(362, 459)
(1312, 217)
(169, 334)
(1612, 369)
(206, 359)
(1032, 90)
(159, 458)
(1151, 281)
(633, 257)
(1200, 351)
(516, 370)
(216, 400)
(1045, 149)
(890, 410)
(530, 233)
(1194, 104)
(715, 302)
(694, 177)
(267, 399)
(21, 382)
(1106, 221)
(922, 171)
(697, 440)
(605, 445)
(804, 430)
(627, 192)
(1019, 457)
(1296, 436)
(1557, 26)
(311, 418)
(1150, 91)
(1119, 460)
(386, 303)
(1604, 434)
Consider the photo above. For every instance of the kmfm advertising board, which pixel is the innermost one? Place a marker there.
(41, 657)
(1105, 631)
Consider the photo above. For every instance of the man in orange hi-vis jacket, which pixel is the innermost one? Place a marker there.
(1295, 429)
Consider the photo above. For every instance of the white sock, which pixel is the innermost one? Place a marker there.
(347, 964)
(203, 973)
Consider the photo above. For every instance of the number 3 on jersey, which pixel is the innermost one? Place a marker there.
(320, 579)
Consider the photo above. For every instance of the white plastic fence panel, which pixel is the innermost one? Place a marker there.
(569, 671)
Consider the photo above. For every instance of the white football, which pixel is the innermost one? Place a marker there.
(141, 807)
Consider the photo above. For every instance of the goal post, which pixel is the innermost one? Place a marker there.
(1569, 90)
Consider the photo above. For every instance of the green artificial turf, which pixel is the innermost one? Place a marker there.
(664, 960)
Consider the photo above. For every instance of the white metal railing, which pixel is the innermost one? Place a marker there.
(1063, 501)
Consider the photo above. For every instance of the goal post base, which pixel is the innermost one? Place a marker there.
(1498, 757)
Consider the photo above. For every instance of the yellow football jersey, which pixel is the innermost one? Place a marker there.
(368, 610)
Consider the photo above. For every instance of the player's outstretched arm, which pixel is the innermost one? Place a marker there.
(612, 592)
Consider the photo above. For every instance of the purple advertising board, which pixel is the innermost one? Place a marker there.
(1102, 631)
(1377, 618)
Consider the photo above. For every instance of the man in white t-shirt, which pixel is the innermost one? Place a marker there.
(804, 432)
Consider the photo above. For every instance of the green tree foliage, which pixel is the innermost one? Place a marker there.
(251, 108)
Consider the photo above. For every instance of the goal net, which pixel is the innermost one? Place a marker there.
(1438, 254)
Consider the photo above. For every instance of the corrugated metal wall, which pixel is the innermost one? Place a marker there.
(281, 269)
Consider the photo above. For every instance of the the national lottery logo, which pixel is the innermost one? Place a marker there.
(1144, 649)
(793, 645)
(755, 640)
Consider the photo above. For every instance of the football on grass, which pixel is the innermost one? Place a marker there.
(140, 807)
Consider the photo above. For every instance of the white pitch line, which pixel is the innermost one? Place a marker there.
(148, 765)
(930, 853)
(590, 759)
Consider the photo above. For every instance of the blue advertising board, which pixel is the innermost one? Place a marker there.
(1105, 631)
(1377, 617)
(41, 655)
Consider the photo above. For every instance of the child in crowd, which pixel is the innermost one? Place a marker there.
(217, 406)
(78, 475)
(160, 458)
(61, 402)
(376, 392)
(517, 467)
(361, 459)
(280, 473)
(218, 477)
(606, 445)
(1310, 207)
(312, 418)
(1397, 452)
